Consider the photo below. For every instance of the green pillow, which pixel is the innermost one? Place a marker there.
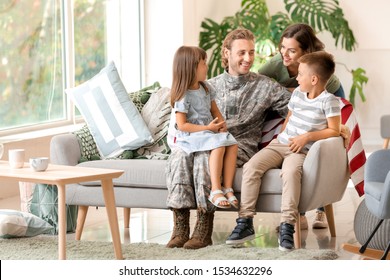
(44, 204)
(142, 96)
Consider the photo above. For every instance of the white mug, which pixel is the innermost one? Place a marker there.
(39, 163)
(16, 158)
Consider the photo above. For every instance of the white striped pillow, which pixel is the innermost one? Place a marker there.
(113, 119)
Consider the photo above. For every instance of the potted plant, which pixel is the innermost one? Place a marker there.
(322, 15)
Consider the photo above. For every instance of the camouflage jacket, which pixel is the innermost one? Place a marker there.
(244, 102)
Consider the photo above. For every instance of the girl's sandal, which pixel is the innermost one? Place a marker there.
(218, 200)
(231, 198)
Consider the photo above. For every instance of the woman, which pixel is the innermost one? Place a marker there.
(296, 40)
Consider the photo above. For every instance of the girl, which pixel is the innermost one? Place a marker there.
(199, 123)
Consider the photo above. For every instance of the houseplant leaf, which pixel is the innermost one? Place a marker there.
(323, 15)
(358, 80)
(211, 38)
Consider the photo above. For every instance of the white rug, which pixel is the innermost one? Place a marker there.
(46, 248)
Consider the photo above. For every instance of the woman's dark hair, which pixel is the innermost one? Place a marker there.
(305, 36)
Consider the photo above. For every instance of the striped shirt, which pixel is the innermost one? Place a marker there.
(309, 115)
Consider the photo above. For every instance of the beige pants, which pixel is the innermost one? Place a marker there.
(275, 155)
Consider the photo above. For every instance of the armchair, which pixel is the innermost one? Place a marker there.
(385, 130)
(377, 201)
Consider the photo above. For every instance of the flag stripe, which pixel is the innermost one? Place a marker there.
(356, 154)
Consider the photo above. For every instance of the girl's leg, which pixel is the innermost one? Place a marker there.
(216, 164)
(229, 170)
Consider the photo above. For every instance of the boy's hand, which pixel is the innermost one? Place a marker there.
(346, 134)
(297, 143)
(215, 126)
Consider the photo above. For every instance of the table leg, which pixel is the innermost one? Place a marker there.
(61, 222)
(109, 199)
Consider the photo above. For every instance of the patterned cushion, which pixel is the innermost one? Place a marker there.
(19, 224)
(41, 200)
(156, 114)
(114, 121)
(89, 151)
(141, 97)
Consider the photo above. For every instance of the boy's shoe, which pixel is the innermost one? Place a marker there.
(286, 237)
(243, 231)
(302, 221)
(320, 221)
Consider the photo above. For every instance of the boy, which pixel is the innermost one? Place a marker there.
(314, 114)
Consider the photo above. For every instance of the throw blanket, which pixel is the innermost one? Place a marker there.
(355, 151)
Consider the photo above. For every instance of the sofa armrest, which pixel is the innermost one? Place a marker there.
(65, 149)
(325, 174)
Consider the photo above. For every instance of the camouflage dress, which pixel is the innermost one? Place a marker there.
(244, 102)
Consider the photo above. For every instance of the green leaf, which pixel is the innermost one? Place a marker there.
(323, 15)
(358, 80)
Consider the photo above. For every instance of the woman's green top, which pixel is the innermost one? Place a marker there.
(275, 69)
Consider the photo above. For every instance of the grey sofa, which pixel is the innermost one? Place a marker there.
(143, 185)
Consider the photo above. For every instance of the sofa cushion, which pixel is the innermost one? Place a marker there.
(41, 200)
(114, 121)
(89, 151)
(141, 97)
(138, 173)
(156, 114)
(151, 174)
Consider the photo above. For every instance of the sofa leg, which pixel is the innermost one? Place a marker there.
(386, 143)
(81, 216)
(126, 217)
(330, 217)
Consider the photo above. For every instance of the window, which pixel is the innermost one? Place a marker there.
(49, 45)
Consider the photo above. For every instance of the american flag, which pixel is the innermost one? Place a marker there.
(355, 150)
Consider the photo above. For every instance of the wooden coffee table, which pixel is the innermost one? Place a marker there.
(61, 175)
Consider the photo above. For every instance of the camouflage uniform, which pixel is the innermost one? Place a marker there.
(188, 175)
(244, 102)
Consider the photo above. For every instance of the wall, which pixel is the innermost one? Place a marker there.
(368, 20)
(163, 35)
